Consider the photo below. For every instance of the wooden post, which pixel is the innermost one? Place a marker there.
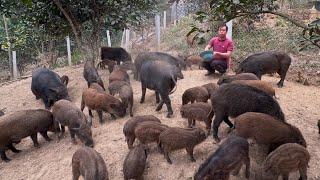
(108, 38)
(157, 18)
(14, 65)
(69, 50)
(174, 12)
(164, 20)
(9, 43)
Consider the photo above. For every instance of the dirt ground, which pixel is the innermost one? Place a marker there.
(53, 159)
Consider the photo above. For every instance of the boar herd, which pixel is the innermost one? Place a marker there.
(250, 102)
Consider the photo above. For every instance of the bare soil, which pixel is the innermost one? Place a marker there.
(53, 159)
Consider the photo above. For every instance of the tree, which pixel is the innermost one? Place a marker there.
(225, 10)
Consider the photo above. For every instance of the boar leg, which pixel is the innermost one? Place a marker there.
(143, 89)
(165, 98)
(237, 169)
(166, 155)
(13, 149)
(45, 135)
(75, 171)
(130, 108)
(73, 136)
(285, 176)
(159, 107)
(130, 141)
(216, 123)
(247, 163)
(35, 140)
(190, 152)
(189, 122)
(100, 117)
(157, 97)
(4, 156)
(303, 173)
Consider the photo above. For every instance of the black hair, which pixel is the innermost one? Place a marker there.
(223, 25)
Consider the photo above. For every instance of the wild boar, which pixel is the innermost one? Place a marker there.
(88, 163)
(47, 85)
(66, 113)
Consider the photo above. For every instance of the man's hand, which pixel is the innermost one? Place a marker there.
(207, 47)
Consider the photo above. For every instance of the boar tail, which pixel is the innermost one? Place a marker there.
(175, 85)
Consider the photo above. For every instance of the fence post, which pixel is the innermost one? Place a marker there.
(164, 20)
(108, 38)
(174, 12)
(158, 31)
(69, 50)
(14, 65)
(127, 39)
(229, 33)
(122, 38)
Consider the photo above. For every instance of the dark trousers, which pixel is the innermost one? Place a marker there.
(219, 65)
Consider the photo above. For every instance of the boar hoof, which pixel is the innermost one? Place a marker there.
(6, 160)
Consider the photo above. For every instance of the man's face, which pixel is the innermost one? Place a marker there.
(222, 32)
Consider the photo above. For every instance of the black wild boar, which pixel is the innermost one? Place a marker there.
(230, 155)
(160, 77)
(100, 102)
(287, 158)
(135, 163)
(152, 56)
(1, 112)
(130, 126)
(242, 76)
(88, 163)
(117, 54)
(235, 99)
(319, 125)
(178, 138)
(68, 114)
(125, 92)
(21, 124)
(47, 85)
(266, 63)
(91, 75)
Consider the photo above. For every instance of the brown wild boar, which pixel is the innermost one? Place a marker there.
(119, 74)
(265, 129)
(135, 163)
(100, 102)
(242, 76)
(65, 79)
(194, 60)
(109, 63)
(262, 85)
(211, 88)
(21, 124)
(198, 111)
(88, 163)
(68, 114)
(195, 94)
(130, 125)
(149, 131)
(285, 159)
(231, 154)
(125, 92)
(175, 138)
